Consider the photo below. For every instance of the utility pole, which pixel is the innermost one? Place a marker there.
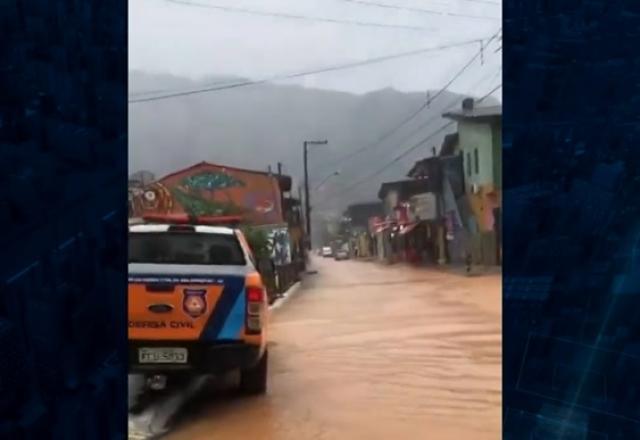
(307, 207)
(279, 168)
(307, 202)
(300, 209)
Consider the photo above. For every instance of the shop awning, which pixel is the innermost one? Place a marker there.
(381, 228)
(408, 228)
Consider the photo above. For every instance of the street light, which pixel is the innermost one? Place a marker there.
(336, 173)
(306, 187)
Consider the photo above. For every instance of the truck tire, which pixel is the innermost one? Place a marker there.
(253, 381)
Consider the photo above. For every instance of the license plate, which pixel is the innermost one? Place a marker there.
(162, 355)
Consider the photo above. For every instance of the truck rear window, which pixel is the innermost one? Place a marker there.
(185, 248)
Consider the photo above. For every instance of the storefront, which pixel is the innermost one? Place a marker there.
(426, 230)
(382, 239)
(412, 235)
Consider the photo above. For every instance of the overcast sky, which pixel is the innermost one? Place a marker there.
(195, 42)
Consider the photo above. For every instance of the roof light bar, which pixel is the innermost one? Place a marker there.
(185, 219)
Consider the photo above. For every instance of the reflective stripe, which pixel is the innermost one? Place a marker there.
(235, 320)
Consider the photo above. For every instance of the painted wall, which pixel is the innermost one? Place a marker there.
(208, 189)
(497, 155)
(487, 139)
(280, 246)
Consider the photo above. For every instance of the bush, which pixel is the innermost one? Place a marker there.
(258, 241)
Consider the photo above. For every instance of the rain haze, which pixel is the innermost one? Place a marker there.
(244, 85)
(186, 45)
(191, 40)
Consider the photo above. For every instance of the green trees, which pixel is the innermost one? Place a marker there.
(258, 241)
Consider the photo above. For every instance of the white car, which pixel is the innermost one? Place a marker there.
(342, 254)
(327, 252)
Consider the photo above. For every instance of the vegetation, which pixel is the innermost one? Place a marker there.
(258, 241)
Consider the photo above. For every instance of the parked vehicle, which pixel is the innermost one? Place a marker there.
(196, 303)
(342, 254)
(327, 252)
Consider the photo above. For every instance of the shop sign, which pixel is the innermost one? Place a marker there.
(424, 207)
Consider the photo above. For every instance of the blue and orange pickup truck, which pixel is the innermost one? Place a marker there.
(197, 304)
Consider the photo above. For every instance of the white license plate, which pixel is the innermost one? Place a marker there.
(162, 355)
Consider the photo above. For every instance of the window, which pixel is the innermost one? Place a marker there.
(185, 248)
(469, 164)
(477, 160)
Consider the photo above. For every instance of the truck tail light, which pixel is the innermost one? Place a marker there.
(255, 304)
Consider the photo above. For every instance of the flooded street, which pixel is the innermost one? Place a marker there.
(371, 352)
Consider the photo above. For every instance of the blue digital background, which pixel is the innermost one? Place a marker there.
(571, 316)
(63, 173)
(571, 227)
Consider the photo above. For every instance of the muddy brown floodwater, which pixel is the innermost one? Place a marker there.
(365, 351)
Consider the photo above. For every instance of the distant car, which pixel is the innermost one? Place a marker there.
(327, 252)
(342, 254)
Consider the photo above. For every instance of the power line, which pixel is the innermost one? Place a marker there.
(146, 92)
(421, 10)
(215, 88)
(410, 149)
(495, 89)
(486, 2)
(396, 159)
(237, 10)
(156, 91)
(405, 121)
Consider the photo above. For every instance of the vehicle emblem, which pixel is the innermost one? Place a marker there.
(160, 308)
(195, 302)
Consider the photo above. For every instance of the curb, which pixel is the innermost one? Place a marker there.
(285, 297)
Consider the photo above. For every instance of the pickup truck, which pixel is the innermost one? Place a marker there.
(196, 303)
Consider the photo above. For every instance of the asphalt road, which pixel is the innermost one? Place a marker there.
(365, 351)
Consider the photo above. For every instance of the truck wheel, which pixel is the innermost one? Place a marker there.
(254, 380)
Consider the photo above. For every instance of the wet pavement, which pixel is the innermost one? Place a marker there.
(365, 351)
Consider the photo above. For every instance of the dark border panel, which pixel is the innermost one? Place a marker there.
(571, 321)
(63, 159)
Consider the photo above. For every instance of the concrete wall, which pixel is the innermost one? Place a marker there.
(476, 136)
(487, 139)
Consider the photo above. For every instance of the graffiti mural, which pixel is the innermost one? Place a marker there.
(280, 242)
(152, 198)
(208, 189)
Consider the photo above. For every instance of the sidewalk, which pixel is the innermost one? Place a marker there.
(478, 270)
(281, 299)
(456, 269)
